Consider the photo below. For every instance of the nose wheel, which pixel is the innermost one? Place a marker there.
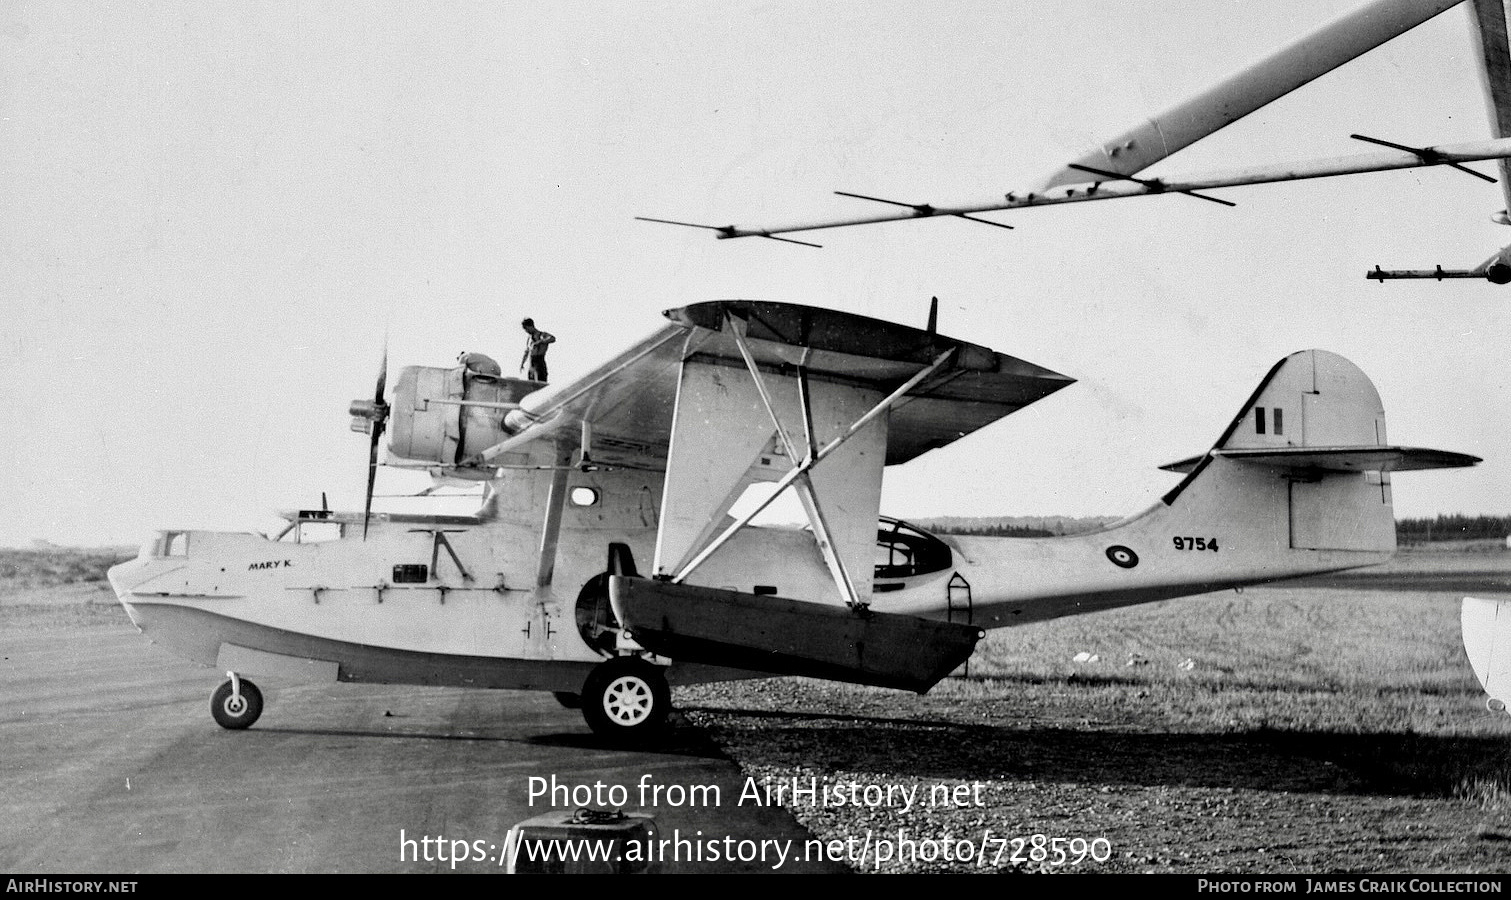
(236, 704)
(626, 700)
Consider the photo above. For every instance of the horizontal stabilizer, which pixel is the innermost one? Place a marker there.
(1339, 459)
(766, 633)
(1487, 643)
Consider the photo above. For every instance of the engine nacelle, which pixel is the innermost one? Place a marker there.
(1498, 267)
(430, 421)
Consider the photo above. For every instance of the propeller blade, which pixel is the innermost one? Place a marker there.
(382, 372)
(379, 420)
(372, 475)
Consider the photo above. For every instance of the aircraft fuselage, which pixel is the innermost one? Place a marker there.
(472, 602)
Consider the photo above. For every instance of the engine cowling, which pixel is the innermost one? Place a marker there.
(430, 421)
(1498, 267)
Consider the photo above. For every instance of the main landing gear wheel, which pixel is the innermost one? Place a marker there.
(236, 709)
(626, 700)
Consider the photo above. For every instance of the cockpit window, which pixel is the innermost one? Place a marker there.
(318, 532)
(903, 551)
(172, 543)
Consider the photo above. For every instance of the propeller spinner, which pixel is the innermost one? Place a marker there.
(371, 416)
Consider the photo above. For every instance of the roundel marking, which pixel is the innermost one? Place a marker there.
(1122, 557)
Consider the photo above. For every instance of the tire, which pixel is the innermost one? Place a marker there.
(626, 700)
(235, 715)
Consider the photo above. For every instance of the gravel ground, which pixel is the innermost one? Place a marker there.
(1005, 768)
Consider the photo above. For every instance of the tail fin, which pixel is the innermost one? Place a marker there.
(1297, 485)
(1313, 434)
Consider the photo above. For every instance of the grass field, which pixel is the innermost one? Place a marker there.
(1300, 729)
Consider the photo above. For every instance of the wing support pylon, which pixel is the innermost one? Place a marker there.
(799, 474)
(802, 484)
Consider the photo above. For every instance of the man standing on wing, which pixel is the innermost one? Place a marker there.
(536, 342)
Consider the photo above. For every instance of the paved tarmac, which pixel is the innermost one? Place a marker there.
(111, 764)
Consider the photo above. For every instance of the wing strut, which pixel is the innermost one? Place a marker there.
(813, 459)
(921, 210)
(726, 231)
(1156, 186)
(806, 494)
(550, 531)
(1428, 155)
(1438, 274)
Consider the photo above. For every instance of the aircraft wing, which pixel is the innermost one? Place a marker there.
(1490, 25)
(1110, 170)
(1289, 68)
(624, 410)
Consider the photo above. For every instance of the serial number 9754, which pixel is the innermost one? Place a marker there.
(1195, 543)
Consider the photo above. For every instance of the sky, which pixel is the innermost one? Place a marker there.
(217, 213)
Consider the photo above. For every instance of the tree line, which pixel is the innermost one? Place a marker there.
(1452, 528)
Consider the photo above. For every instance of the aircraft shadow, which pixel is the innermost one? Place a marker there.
(1265, 759)
(1094, 680)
